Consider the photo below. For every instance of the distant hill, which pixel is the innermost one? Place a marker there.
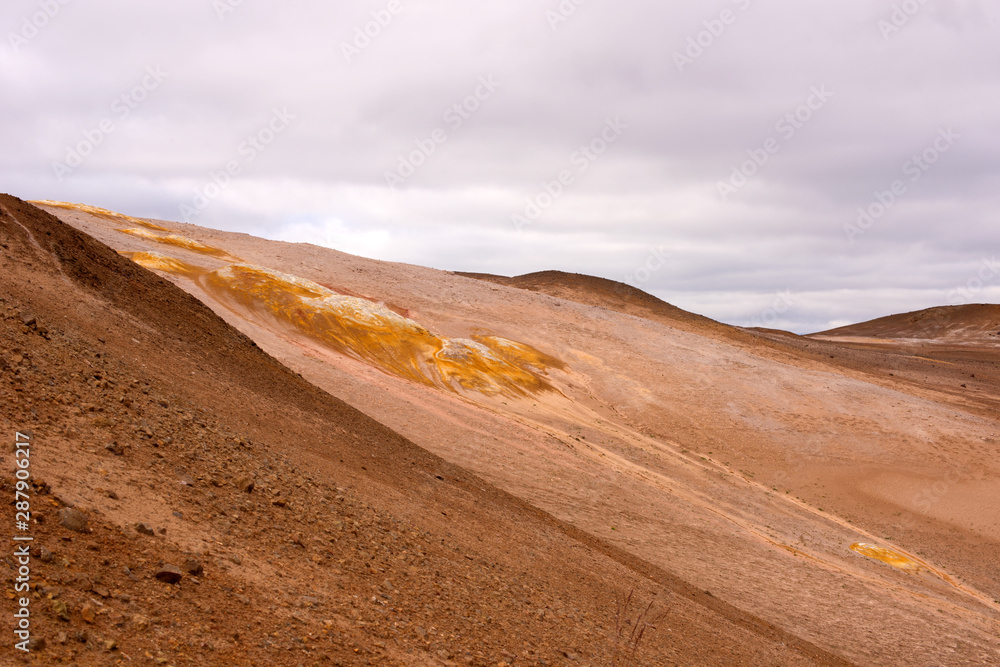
(610, 294)
(946, 323)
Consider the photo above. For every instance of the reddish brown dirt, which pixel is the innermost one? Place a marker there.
(745, 463)
(355, 546)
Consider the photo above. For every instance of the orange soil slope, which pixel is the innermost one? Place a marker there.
(748, 466)
(352, 545)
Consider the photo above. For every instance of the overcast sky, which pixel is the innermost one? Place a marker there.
(716, 154)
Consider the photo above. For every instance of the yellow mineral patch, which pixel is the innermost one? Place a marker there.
(100, 212)
(158, 262)
(887, 556)
(374, 333)
(176, 240)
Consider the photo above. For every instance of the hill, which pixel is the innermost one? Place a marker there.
(511, 462)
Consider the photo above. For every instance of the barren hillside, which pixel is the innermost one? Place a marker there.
(453, 470)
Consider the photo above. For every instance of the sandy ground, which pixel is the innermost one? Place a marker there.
(741, 463)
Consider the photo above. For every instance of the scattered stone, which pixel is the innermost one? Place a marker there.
(236, 559)
(144, 529)
(245, 484)
(170, 574)
(45, 555)
(115, 448)
(74, 520)
(102, 591)
(186, 480)
(140, 622)
(112, 495)
(87, 613)
(36, 644)
(29, 320)
(110, 645)
(194, 567)
(61, 609)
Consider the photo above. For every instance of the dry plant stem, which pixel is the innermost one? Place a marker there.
(627, 643)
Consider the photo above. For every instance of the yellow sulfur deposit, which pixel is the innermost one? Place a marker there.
(100, 212)
(158, 262)
(887, 556)
(179, 241)
(372, 332)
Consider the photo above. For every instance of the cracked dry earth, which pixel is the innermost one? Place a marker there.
(196, 502)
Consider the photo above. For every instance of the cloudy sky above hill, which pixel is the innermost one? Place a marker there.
(763, 162)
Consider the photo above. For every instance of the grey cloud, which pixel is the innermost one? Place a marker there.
(324, 178)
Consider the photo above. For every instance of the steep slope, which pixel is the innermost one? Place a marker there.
(303, 530)
(850, 510)
(957, 364)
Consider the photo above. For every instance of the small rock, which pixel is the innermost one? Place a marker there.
(74, 520)
(140, 622)
(186, 480)
(144, 529)
(87, 613)
(110, 645)
(36, 644)
(61, 609)
(62, 638)
(45, 555)
(194, 567)
(170, 574)
(112, 495)
(236, 559)
(83, 581)
(102, 591)
(115, 448)
(29, 320)
(245, 484)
